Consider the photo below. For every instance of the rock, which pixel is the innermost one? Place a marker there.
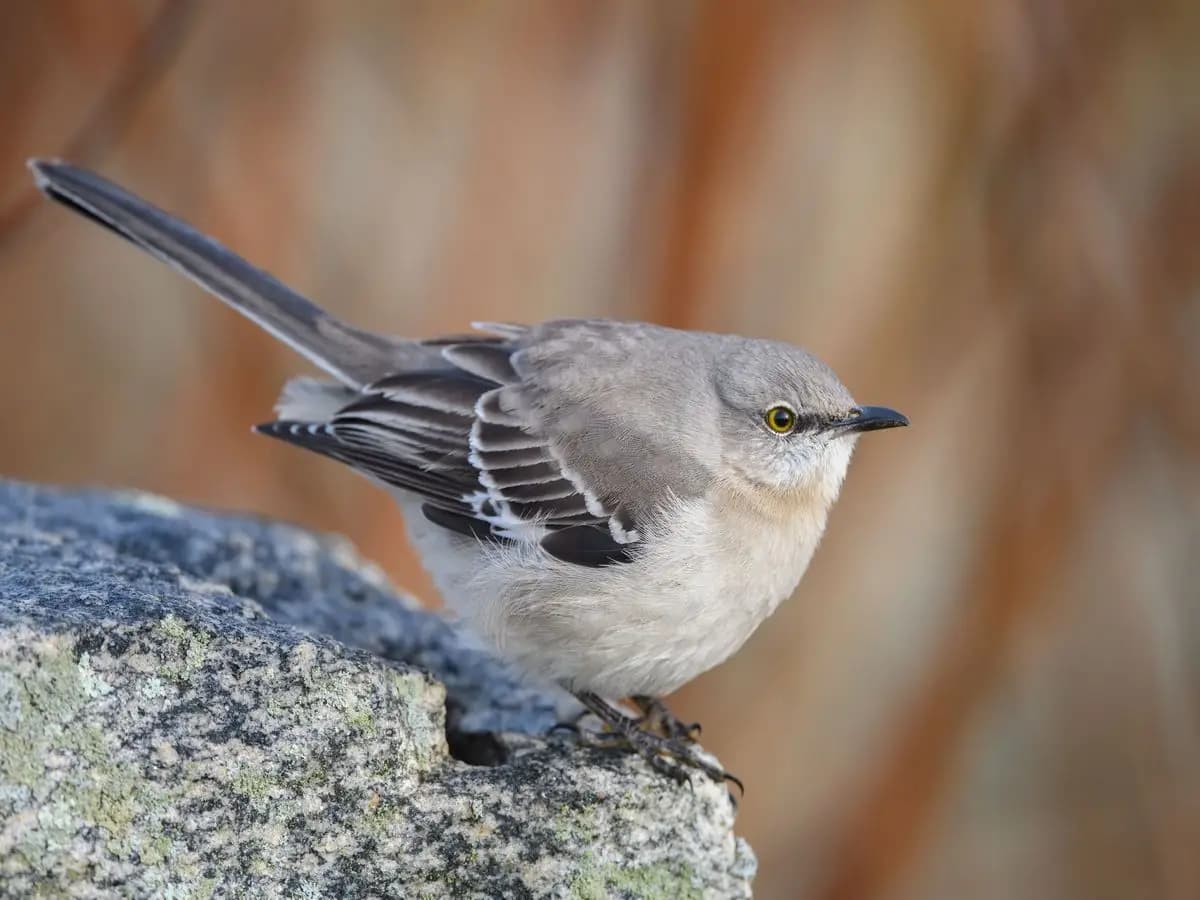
(197, 705)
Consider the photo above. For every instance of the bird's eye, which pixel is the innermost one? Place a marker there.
(781, 419)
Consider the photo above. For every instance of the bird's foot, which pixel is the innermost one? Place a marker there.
(672, 756)
(656, 717)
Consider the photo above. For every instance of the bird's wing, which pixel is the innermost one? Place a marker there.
(481, 445)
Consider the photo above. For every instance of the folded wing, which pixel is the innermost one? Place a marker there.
(457, 438)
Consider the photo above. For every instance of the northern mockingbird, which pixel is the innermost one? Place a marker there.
(614, 506)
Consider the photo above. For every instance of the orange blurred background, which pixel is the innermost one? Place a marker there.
(984, 214)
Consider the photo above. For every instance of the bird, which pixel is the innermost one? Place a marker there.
(613, 506)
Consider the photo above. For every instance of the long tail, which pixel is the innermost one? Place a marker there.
(352, 356)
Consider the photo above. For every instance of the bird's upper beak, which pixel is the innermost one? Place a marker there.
(870, 418)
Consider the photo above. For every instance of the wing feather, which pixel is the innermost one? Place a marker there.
(490, 361)
(539, 473)
(490, 408)
(389, 412)
(378, 462)
(487, 437)
(540, 492)
(494, 460)
(461, 438)
(434, 390)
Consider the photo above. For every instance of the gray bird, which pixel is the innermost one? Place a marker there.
(614, 506)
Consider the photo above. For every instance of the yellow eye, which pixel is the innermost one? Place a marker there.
(780, 419)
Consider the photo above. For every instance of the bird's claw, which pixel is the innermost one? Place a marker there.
(670, 749)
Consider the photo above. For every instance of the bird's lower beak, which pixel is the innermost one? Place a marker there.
(871, 418)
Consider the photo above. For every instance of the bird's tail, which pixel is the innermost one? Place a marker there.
(354, 357)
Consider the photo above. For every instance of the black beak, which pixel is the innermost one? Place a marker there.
(871, 418)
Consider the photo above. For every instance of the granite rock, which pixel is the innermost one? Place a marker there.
(196, 705)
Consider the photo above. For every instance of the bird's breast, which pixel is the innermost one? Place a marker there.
(763, 547)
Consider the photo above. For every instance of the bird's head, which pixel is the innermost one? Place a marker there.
(787, 424)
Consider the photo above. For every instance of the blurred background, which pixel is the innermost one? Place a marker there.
(984, 214)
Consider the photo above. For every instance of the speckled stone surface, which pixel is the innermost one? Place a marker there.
(182, 715)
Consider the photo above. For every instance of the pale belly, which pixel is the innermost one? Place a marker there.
(644, 627)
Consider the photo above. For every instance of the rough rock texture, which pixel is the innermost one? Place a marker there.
(177, 720)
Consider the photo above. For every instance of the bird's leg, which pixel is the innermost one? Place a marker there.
(610, 739)
(657, 717)
(666, 755)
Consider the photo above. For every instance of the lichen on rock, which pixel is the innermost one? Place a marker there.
(197, 705)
